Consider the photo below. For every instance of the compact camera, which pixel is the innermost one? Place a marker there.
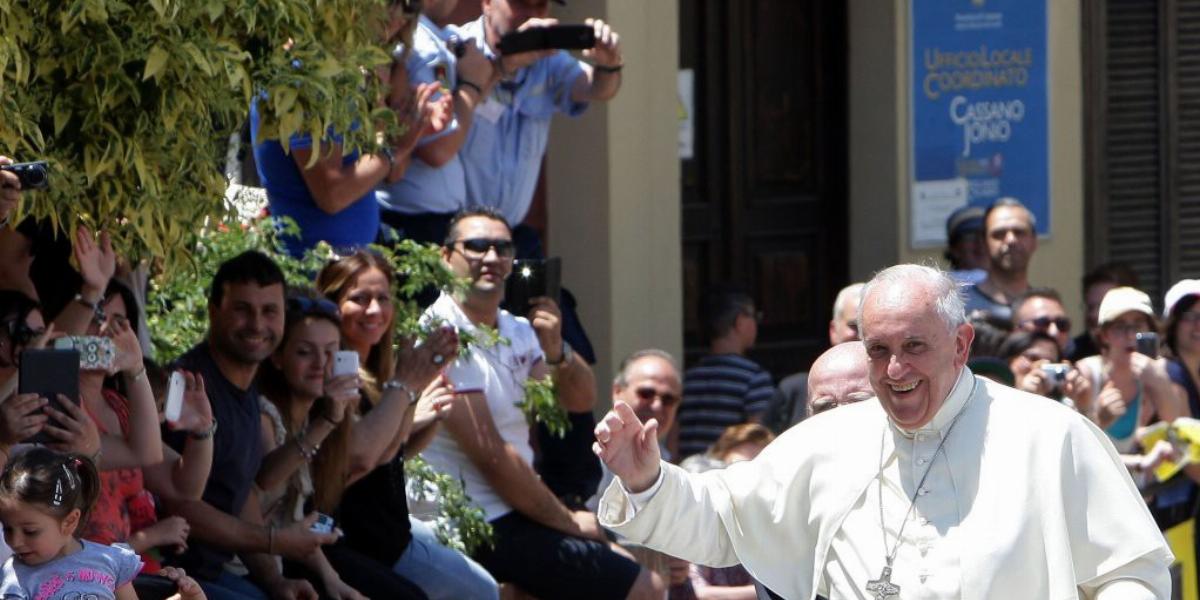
(1056, 373)
(33, 175)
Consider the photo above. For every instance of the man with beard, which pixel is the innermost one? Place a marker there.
(946, 485)
(1011, 240)
(245, 314)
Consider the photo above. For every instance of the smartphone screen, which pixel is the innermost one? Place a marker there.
(48, 373)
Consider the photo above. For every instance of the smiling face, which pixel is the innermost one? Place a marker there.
(34, 536)
(367, 308)
(247, 325)
(486, 270)
(1119, 336)
(304, 358)
(914, 358)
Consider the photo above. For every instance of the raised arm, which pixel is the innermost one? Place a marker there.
(600, 80)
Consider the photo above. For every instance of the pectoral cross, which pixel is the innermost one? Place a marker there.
(883, 588)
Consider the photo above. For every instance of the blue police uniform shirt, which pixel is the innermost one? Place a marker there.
(424, 188)
(352, 227)
(503, 151)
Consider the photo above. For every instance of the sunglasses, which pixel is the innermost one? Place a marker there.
(410, 7)
(478, 247)
(309, 306)
(1043, 323)
(20, 333)
(648, 394)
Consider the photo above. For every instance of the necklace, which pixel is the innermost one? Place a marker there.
(882, 587)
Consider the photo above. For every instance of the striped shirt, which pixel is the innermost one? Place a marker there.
(720, 391)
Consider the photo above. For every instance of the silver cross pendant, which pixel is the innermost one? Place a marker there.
(883, 588)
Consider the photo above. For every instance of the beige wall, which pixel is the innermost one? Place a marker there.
(879, 147)
(614, 197)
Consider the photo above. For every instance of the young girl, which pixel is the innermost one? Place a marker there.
(44, 498)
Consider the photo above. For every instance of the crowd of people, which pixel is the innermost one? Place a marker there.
(282, 475)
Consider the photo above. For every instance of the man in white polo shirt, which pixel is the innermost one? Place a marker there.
(540, 545)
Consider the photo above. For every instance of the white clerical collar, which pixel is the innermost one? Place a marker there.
(954, 403)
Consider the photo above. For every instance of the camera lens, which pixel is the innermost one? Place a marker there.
(34, 177)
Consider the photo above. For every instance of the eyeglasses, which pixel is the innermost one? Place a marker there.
(476, 248)
(824, 403)
(310, 306)
(1123, 328)
(21, 333)
(1043, 323)
(647, 394)
(410, 7)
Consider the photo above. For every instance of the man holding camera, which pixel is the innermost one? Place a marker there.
(485, 443)
(503, 152)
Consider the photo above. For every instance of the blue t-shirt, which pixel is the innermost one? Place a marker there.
(97, 571)
(502, 155)
(425, 188)
(352, 227)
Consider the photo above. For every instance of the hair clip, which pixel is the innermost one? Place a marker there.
(57, 500)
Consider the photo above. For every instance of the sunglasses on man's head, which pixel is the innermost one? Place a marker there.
(647, 394)
(313, 306)
(478, 247)
(1043, 323)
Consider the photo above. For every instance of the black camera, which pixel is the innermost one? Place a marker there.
(33, 175)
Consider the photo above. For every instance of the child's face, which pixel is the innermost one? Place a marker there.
(34, 536)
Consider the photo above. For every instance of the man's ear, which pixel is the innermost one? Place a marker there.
(963, 336)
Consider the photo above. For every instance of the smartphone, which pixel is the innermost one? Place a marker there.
(554, 37)
(1147, 343)
(173, 408)
(531, 278)
(154, 587)
(345, 362)
(323, 524)
(49, 372)
(96, 353)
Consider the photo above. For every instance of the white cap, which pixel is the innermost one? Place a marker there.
(1179, 291)
(1121, 300)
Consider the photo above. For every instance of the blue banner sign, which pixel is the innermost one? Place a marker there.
(979, 110)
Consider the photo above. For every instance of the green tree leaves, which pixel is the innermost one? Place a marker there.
(133, 102)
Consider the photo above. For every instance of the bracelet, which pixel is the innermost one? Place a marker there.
(206, 434)
(396, 384)
(305, 452)
(97, 311)
(137, 376)
(608, 69)
(270, 539)
(331, 421)
(390, 156)
(462, 83)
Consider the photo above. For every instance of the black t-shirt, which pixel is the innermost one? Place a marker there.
(374, 511)
(237, 454)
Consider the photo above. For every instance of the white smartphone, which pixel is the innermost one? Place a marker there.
(174, 405)
(345, 362)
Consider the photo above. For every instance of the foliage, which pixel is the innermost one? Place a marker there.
(178, 298)
(540, 404)
(132, 102)
(460, 524)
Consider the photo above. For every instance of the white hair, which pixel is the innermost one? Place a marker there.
(853, 290)
(947, 291)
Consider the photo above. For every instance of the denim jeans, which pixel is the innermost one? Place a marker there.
(443, 573)
(231, 587)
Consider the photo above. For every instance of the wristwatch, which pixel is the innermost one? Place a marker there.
(396, 384)
(567, 352)
(206, 434)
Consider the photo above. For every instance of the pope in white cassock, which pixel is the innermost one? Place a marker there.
(947, 486)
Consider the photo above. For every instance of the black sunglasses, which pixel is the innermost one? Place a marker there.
(648, 394)
(21, 333)
(478, 247)
(1043, 323)
(309, 306)
(410, 7)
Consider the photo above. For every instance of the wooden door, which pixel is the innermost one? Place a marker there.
(764, 196)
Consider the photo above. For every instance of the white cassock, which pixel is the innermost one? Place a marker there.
(1027, 499)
